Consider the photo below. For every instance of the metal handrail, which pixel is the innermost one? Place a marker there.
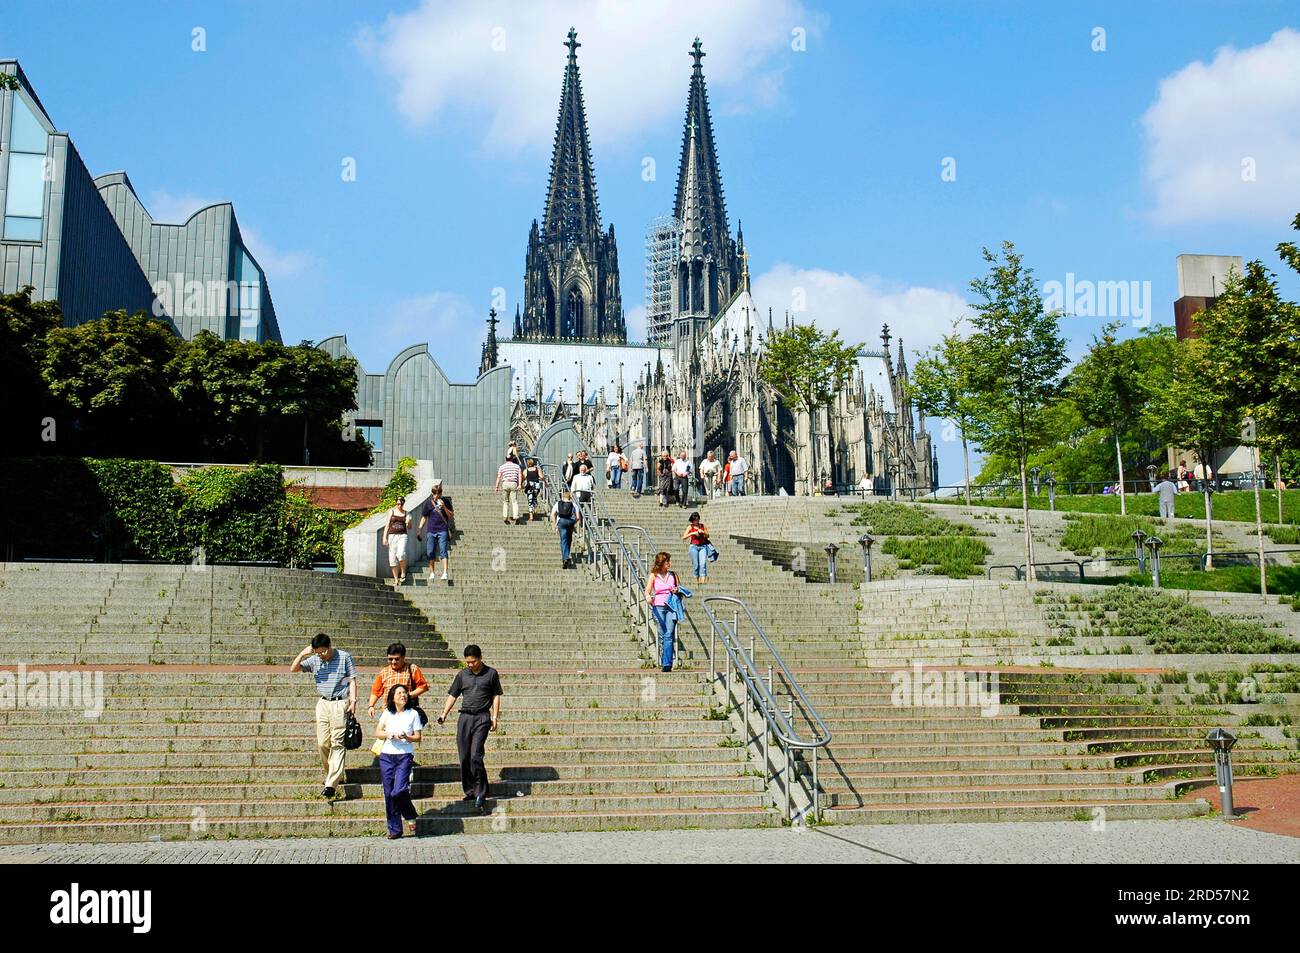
(609, 548)
(758, 691)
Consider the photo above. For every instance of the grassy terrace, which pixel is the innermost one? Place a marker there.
(923, 542)
(1282, 580)
(1237, 505)
(1087, 534)
(1165, 622)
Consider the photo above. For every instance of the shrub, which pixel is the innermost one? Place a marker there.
(955, 556)
(899, 519)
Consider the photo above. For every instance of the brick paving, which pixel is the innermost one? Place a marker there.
(1263, 804)
(1065, 842)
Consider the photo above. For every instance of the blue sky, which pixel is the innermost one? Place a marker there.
(1102, 163)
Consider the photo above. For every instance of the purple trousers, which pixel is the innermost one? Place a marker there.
(395, 769)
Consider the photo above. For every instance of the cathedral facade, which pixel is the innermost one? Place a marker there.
(702, 389)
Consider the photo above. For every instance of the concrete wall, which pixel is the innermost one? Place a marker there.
(462, 428)
(364, 552)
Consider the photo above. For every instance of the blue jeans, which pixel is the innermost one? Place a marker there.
(700, 560)
(667, 634)
(395, 770)
(638, 481)
(738, 485)
(615, 477)
(566, 535)
(437, 544)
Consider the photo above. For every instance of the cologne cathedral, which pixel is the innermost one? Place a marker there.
(703, 390)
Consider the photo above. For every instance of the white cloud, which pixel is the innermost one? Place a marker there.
(1209, 119)
(277, 263)
(633, 58)
(445, 320)
(636, 323)
(858, 306)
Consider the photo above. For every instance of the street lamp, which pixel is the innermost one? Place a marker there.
(1151, 475)
(1051, 492)
(831, 549)
(1138, 536)
(1154, 543)
(1033, 476)
(866, 540)
(1221, 741)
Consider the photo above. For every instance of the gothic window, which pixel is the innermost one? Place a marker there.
(573, 314)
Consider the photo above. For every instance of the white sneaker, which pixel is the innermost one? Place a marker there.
(444, 575)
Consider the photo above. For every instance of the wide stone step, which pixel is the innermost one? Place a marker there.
(1078, 809)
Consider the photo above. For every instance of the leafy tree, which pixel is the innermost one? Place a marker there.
(941, 386)
(9, 82)
(1017, 356)
(806, 367)
(1108, 389)
(24, 325)
(1193, 410)
(113, 374)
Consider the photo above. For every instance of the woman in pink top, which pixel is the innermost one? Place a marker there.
(662, 584)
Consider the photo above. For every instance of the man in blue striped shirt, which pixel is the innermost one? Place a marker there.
(336, 683)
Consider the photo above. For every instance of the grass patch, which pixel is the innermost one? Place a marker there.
(1086, 534)
(1235, 505)
(1171, 626)
(900, 519)
(954, 556)
(1283, 581)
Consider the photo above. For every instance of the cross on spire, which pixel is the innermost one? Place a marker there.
(884, 336)
(573, 44)
(697, 53)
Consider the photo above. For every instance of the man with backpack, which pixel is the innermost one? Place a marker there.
(565, 517)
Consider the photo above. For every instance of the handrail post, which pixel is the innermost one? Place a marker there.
(789, 768)
(767, 729)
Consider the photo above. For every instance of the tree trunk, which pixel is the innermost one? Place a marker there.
(1119, 461)
(1030, 575)
(1209, 528)
(1277, 484)
(1259, 525)
(965, 454)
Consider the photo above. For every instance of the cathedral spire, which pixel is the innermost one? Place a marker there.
(692, 245)
(572, 209)
(698, 150)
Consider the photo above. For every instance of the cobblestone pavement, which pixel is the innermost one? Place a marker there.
(1068, 842)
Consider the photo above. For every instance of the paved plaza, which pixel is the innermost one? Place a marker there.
(1067, 842)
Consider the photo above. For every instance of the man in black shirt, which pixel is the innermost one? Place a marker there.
(478, 687)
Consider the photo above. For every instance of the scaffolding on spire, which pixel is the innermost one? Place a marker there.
(661, 240)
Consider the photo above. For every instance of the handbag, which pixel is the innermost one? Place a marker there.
(352, 733)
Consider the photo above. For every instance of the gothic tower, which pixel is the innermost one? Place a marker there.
(722, 277)
(571, 268)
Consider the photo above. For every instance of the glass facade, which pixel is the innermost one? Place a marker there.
(249, 277)
(25, 184)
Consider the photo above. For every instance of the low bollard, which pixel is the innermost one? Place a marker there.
(831, 549)
(1154, 543)
(1222, 740)
(865, 541)
(1138, 536)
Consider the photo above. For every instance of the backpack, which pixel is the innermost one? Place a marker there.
(352, 733)
(564, 510)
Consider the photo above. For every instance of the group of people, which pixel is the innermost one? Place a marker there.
(400, 727)
(433, 528)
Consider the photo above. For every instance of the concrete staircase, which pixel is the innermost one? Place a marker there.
(215, 744)
(1077, 745)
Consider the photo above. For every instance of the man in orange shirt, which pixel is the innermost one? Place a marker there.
(398, 672)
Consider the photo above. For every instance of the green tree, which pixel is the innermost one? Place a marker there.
(941, 385)
(1107, 387)
(806, 366)
(24, 325)
(1191, 409)
(113, 374)
(1017, 356)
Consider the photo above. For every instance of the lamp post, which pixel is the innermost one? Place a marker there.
(1151, 475)
(1221, 741)
(831, 549)
(1138, 536)
(866, 540)
(1033, 476)
(1051, 492)
(1154, 543)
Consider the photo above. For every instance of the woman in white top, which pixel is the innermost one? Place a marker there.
(399, 729)
(614, 465)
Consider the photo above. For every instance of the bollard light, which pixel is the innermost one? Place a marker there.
(1051, 492)
(1154, 543)
(866, 540)
(831, 549)
(1151, 475)
(1137, 536)
(1033, 476)
(1221, 741)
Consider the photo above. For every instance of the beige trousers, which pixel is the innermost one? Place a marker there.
(331, 720)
